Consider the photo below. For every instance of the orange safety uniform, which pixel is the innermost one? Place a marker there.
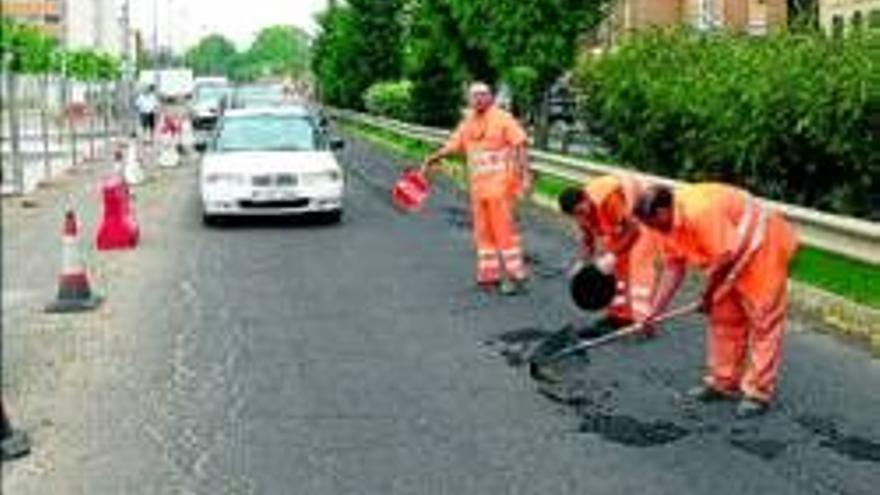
(614, 197)
(746, 323)
(489, 140)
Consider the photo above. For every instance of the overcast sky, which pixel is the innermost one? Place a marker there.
(184, 22)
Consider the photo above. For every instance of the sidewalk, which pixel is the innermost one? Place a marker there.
(31, 243)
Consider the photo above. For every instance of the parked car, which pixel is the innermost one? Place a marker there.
(173, 85)
(211, 97)
(271, 161)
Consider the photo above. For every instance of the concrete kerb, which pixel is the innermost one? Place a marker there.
(840, 316)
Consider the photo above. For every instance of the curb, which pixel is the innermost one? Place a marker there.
(843, 317)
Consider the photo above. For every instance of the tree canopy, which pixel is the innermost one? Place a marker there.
(437, 44)
(213, 55)
(277, 51)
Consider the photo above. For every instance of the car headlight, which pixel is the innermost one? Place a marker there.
(224, 178)
(319, 178)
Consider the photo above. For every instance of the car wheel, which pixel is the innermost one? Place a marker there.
(209, 220)
(333, 217)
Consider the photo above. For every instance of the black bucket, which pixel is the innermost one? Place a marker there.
(592, 290)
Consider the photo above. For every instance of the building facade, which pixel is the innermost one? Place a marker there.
(47, 15)
(753, 16)
(74, 23)
(840, 16)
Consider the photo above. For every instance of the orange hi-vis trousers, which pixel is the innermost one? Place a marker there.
(636, 275)
(496, 237)
(747, 324)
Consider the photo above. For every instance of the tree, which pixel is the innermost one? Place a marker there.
(435, 62)
(333, 56)
(359, 45)
(213, 55)
(530, 43)
(281, 51)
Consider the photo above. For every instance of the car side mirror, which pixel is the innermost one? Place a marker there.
(336, 144)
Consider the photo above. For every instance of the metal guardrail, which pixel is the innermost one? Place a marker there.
(851, 237)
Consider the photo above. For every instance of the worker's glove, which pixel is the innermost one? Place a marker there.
(606, 262)
(646, 329)
(575, 268)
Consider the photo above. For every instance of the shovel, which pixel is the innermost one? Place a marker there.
(536, 363)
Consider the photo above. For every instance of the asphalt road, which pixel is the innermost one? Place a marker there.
(300, 358)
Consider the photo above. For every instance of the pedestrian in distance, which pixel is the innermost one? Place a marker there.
(495, 145)
(745, 249)
(147, 104)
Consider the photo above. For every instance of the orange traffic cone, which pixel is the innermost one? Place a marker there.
(13, 443)
(74, 291)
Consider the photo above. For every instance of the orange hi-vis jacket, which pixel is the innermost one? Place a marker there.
(747, 323)
(489, 141)
(614, 197)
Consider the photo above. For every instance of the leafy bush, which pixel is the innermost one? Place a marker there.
(391, 99)
(789, 116)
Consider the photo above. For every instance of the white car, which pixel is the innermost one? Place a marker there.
(271, 161)
(211, 97)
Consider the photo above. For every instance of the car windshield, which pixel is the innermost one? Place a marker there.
(211, 93)
(260, 94)
(267, 133)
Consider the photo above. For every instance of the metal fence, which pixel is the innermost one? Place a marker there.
(49, 123)
(847, 236)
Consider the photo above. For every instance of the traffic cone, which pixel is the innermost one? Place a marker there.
(131, 169)
(119, 228)
(13, 443)
(169, 132)
(74, 291)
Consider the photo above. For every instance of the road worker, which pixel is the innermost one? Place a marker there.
(603, 211)
(495, 146)
(744, 248)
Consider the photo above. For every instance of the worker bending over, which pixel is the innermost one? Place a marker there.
(745, 249)
(603, 211)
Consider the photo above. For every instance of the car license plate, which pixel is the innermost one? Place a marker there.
(273, 195)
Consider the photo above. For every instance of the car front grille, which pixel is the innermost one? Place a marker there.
(268, 180)
(274, 204)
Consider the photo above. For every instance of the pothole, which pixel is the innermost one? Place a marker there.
(632, 432)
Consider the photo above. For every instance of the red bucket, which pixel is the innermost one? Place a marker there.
(411, 191)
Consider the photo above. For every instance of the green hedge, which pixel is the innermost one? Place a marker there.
(391, 99)
(790, 116)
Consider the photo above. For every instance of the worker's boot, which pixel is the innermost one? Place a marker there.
(512, 287)
(750, 407)
(487, 286)
(705, 393)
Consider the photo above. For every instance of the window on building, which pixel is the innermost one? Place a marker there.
(705, 15)
(858, 21)
(837, 26)
(874, 19)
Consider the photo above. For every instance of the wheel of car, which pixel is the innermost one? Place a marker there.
(209, 220)
(333, 217)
